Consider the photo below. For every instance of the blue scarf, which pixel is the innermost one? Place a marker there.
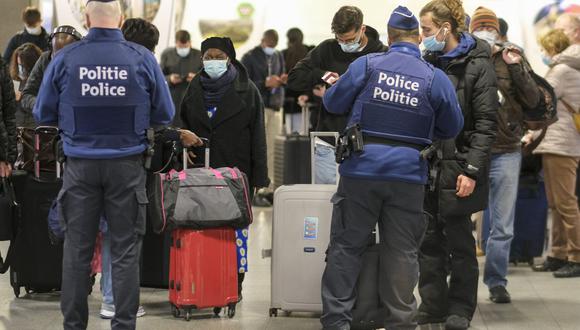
(215, 89)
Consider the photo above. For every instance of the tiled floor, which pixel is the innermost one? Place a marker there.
(540, 302)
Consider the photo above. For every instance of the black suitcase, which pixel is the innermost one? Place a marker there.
(34, 262)
(155, 259)
(367, 312)
(292, 156)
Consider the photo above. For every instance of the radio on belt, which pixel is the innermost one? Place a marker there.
(103, 80)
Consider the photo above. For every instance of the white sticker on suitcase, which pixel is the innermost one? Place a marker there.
(311, 228)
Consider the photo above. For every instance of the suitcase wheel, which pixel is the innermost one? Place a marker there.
(274, 312)
(231, 310)
(217, 311)
(175, 311)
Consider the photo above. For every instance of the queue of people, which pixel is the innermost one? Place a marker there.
(468, 92)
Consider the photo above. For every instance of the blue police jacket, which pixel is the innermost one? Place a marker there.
(104, 93)
(400, 97)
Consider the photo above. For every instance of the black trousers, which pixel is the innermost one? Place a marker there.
(358, 206)
(448, 249)
(115, 188)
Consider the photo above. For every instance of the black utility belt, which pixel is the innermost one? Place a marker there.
(390, 142)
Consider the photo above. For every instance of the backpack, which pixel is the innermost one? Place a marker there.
(545, 113)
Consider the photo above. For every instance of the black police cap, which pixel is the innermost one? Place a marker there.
(67, 29)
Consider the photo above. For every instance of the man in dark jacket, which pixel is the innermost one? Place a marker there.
(33, 32)
(519, 92)
(330, 59)
(462, 185)
(267, 70)
(60, 37)
(180, 64)
(7, 122)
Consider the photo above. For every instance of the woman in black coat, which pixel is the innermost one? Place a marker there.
(7, 122)
(223, 105)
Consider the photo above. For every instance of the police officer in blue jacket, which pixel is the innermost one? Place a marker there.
(103, 92)
(401, 104)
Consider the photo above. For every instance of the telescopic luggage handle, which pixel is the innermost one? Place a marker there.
(206, 145)
(37, 132)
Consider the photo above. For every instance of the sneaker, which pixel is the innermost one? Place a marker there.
(456, 322)
(261, 201)
(141, 311)
(499, 295)
(549, 265)
(107, 311)
(572, 269)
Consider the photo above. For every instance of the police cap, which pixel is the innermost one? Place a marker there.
(403, 19)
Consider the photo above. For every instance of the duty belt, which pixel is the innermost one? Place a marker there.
(393, 143)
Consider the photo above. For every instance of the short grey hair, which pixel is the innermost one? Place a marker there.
(104, 11)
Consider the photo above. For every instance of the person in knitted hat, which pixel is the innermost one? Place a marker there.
(384, 182)
(223, 105)
(485, 26)
(519, 94)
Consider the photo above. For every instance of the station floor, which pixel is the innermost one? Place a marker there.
(540, 302)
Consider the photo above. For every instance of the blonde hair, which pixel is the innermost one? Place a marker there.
(450, 11)
(555, 41)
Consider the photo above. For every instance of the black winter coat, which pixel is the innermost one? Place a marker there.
(236, 132)
(469, 154)
(33, 83)
(328, 56)
(23, 37)
(8, 151)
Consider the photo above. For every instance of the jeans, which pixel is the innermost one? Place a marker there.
(106, 275)
(325, 171)
(503, 191)
(293, 123)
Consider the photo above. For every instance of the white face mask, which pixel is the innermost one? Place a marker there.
(489, 36)
(36, 31)
(183, 52)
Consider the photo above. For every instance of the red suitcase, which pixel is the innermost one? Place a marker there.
(203, 271)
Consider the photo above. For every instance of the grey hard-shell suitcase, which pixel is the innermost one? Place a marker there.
(300, 237)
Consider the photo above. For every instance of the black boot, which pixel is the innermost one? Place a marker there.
(241, 277)
(572, 269)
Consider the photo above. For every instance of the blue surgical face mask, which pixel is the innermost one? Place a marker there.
(215, 68)
(432, 44)
(352, 47)
(269, 51)
(183, 52)
(489, 36)
(548, 60)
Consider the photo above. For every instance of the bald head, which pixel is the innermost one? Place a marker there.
(106, 15)
(570, 23)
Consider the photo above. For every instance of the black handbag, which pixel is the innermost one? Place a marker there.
(8, 207)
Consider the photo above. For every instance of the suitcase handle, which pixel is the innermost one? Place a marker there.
(206, 145)
(313, 136)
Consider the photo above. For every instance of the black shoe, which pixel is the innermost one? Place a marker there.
(426, 318)
(549, 265)
(261, 201)
(572, 269)
(456, 322)
(269, 196)
(499, 295)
